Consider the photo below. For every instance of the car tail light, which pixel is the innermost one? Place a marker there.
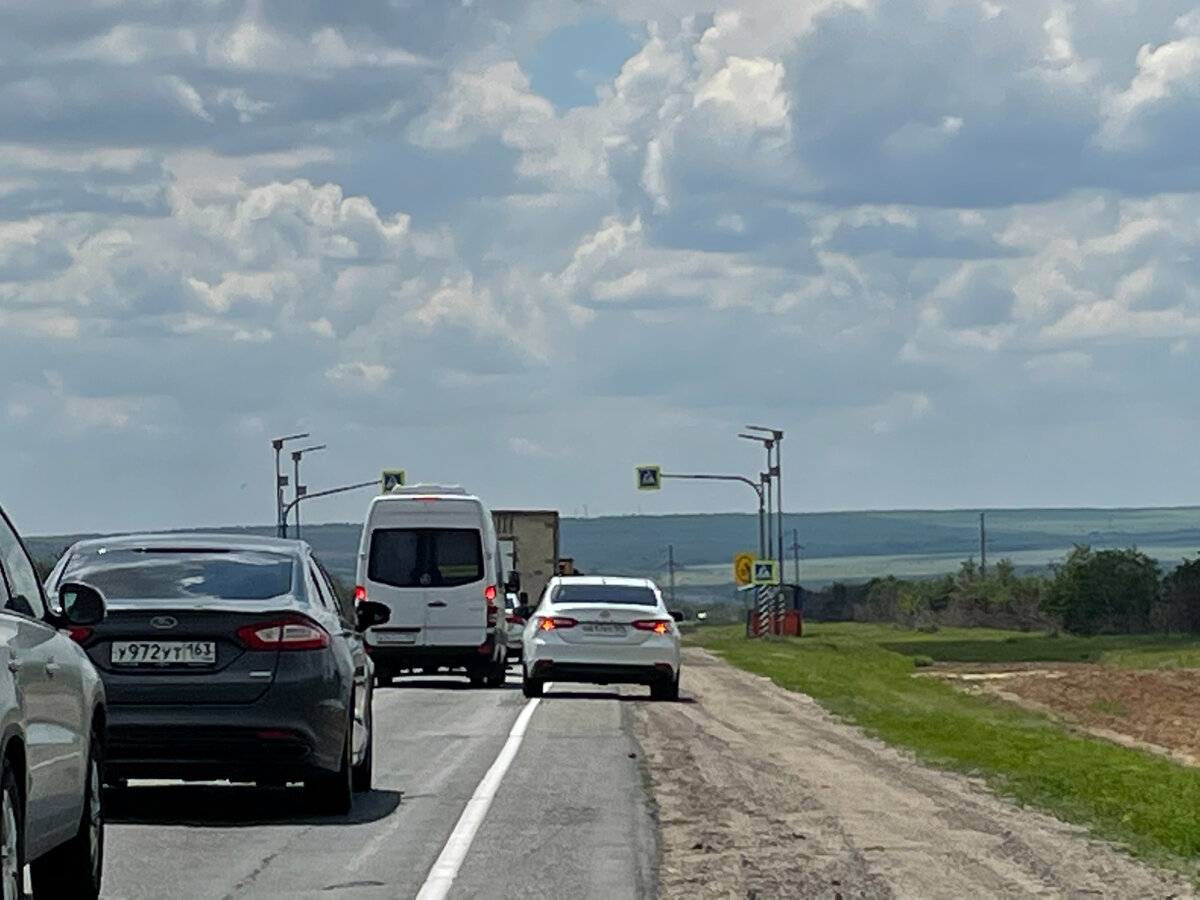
(292, 633)
(79, 633)
(515, 620)
(360, 594)
(550, 623)
(489, 593)
(658, 626)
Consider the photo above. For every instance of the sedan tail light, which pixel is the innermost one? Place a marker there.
(550, 623)
(80, 633)
(291, 633)
(658, 626)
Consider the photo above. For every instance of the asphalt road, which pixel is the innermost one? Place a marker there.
(569, 819)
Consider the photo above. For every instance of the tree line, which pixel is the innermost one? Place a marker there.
(1090, 592)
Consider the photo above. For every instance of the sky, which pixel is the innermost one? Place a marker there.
(949, 248)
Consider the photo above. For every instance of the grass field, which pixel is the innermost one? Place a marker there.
(864, 673)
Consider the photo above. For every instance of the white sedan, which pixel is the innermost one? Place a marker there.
(601, 630)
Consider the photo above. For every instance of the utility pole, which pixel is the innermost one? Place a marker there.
(671, 569)
(796, 548)
(298, 489)
(982, 546)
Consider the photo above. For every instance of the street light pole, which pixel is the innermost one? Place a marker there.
(339, 490)
(297, 490)
(776, 442)
(281, 479)
(755, 486)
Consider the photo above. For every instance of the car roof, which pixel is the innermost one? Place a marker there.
(196, 541)
(611, 580)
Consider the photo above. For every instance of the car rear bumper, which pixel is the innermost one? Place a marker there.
(602, 673)
(291, 732)
(646, 663)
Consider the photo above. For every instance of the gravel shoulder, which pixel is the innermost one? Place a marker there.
(762, 794)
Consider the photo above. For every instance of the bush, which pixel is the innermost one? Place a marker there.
(1104, 591)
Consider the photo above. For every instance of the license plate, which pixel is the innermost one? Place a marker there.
(395, 637)
(608, 630)
(164, 653)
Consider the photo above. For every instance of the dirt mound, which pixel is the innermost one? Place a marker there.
(1155, 709)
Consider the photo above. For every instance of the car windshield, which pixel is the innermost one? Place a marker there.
(633, 595)
(425, 557)
(181, 574)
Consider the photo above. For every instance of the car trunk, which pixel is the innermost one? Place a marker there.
(600, 623)
(175, 654)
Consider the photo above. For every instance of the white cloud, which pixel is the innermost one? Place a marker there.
(855, 216)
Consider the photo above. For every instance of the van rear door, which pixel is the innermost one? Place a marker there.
(432, 576)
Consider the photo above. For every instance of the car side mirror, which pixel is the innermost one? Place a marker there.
(371, 613)
(677, 615)
(81, 604)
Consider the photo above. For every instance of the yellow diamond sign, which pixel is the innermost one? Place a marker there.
(743, 568)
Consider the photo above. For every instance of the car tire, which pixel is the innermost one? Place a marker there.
(12, 835)
(76, 868)
(498, 673)
(332, 793)
(364, 772)
(665, 690)
(532, 687)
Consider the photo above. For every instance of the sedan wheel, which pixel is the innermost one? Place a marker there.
(332, 793)
(364, 771)
(12, 865)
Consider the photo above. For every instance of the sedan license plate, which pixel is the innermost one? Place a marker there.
(607, 630)
(164, 653)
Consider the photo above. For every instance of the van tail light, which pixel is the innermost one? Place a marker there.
(489, 594)
(360, 594)
(79, 633)
(551, 623)
(290, 633)
(658, 626)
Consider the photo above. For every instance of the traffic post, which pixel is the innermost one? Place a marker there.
(649, 478)
(391, 478)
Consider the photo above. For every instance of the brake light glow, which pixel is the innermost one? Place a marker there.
(489, 593)
(550, 623)
(658, 626)
(360, 594)
(79, 634)
(292, 633)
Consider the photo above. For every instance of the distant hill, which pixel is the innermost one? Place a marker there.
(638, 544)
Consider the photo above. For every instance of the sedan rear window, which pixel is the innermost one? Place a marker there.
(605, 593)
(182, 574)
(425, 557)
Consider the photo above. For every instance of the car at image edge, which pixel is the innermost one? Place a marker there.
(231, 658)
(52, 729)
(602, 630)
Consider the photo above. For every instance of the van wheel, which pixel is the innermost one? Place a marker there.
(498, 673)
(74, 869)
(478, 677)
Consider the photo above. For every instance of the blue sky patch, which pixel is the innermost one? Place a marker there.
(574, 60)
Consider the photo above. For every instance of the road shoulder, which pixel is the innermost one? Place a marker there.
(762, 793)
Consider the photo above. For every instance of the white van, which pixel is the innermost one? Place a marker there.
(430, 554)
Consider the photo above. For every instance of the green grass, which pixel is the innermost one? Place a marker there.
(864, 673)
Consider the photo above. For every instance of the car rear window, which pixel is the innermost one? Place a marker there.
(425, 557)
(605, 593)
(170, 574)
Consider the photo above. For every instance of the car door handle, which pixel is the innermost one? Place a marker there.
(436, 603)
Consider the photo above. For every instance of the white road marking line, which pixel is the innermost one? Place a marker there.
(445, 870)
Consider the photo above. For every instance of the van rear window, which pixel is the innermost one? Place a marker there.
(425, 557)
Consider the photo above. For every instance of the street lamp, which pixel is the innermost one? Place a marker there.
(769, 444)
(281, 479)
(776, 440)
(298, 490)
